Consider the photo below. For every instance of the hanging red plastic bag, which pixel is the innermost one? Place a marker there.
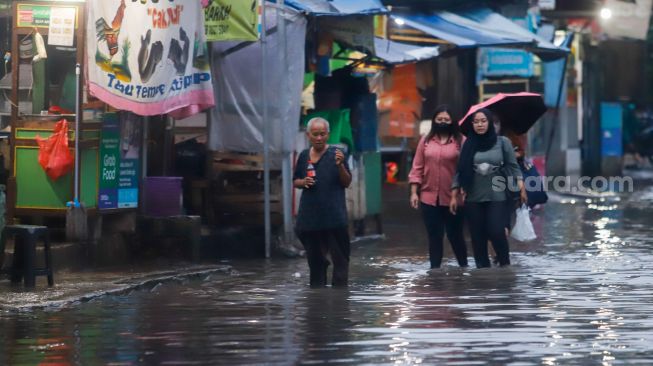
(54, 155)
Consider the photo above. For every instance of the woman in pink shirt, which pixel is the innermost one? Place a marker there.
(434, 167)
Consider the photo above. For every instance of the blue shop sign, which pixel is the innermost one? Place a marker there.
(611, 129)
(505, 62)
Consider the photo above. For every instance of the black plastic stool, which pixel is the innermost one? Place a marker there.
(24, 262)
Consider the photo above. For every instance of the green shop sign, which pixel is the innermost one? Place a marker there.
(30, 15)
(232, 20)
(109, 160)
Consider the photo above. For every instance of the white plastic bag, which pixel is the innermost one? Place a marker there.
(41, 53)
(523, 229)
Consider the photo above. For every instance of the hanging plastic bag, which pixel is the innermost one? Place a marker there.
(523, 229)
(41, 53)
(54, 155)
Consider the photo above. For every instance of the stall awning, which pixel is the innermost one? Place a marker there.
(387, 52)
(491, 20)
(480, 27)
(456, 30)
(395, 53)
(337, 7)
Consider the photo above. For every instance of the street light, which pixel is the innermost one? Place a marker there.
(606, 13)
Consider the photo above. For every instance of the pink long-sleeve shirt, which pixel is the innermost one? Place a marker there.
(434, 167)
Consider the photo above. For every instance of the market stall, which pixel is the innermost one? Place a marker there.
(109, 143)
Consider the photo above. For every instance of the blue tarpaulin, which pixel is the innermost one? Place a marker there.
(480, 27)
(495, 21)
(337, 7)
(456, 30)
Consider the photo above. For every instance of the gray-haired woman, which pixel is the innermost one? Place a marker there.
(322, 225)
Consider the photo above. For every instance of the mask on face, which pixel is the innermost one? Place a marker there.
(442, 127)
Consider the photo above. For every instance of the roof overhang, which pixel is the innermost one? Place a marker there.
(470, 28)
(336, 7)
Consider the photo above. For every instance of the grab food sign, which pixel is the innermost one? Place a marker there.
(149, 57)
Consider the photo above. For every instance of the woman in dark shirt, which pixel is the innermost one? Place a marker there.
(322, 224)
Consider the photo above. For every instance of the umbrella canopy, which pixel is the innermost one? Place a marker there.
(517, 112)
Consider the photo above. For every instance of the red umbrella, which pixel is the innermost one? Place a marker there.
(517, 111)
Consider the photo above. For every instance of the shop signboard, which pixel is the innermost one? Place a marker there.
(505, 62)
(611, 129)
(148, 57)
(231, 20)
(131, 130)
(128, 184)
(120, 147)
(109, 160)
(39, 16)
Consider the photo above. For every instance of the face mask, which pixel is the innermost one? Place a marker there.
(442, 127)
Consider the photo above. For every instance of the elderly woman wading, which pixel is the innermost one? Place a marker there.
(322, 226)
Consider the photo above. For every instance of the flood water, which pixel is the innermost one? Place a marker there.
(581, 294)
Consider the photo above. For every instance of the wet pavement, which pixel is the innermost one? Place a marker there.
(74, 287)
(582, 293)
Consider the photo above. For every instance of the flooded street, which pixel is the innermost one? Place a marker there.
(582, 293)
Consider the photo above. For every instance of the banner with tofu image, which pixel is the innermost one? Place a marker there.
(149, 57)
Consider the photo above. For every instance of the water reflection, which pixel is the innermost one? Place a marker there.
(326, 321)
(580, 294)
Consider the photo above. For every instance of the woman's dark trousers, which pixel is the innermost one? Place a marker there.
(487, 222)
(319, 243)
(437, 219)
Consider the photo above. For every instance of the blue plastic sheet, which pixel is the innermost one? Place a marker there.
(480, 27)
(337, 7)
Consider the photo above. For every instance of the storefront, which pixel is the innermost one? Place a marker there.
(48, 39)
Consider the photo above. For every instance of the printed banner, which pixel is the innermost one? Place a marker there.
(109, 159)
(120, 154)
(149, 58)
(231, 20)
(62, 27)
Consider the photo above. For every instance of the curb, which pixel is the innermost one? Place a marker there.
(120, 287)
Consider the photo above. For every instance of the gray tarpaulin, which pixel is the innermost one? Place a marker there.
(396, 53)
(236, 118)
